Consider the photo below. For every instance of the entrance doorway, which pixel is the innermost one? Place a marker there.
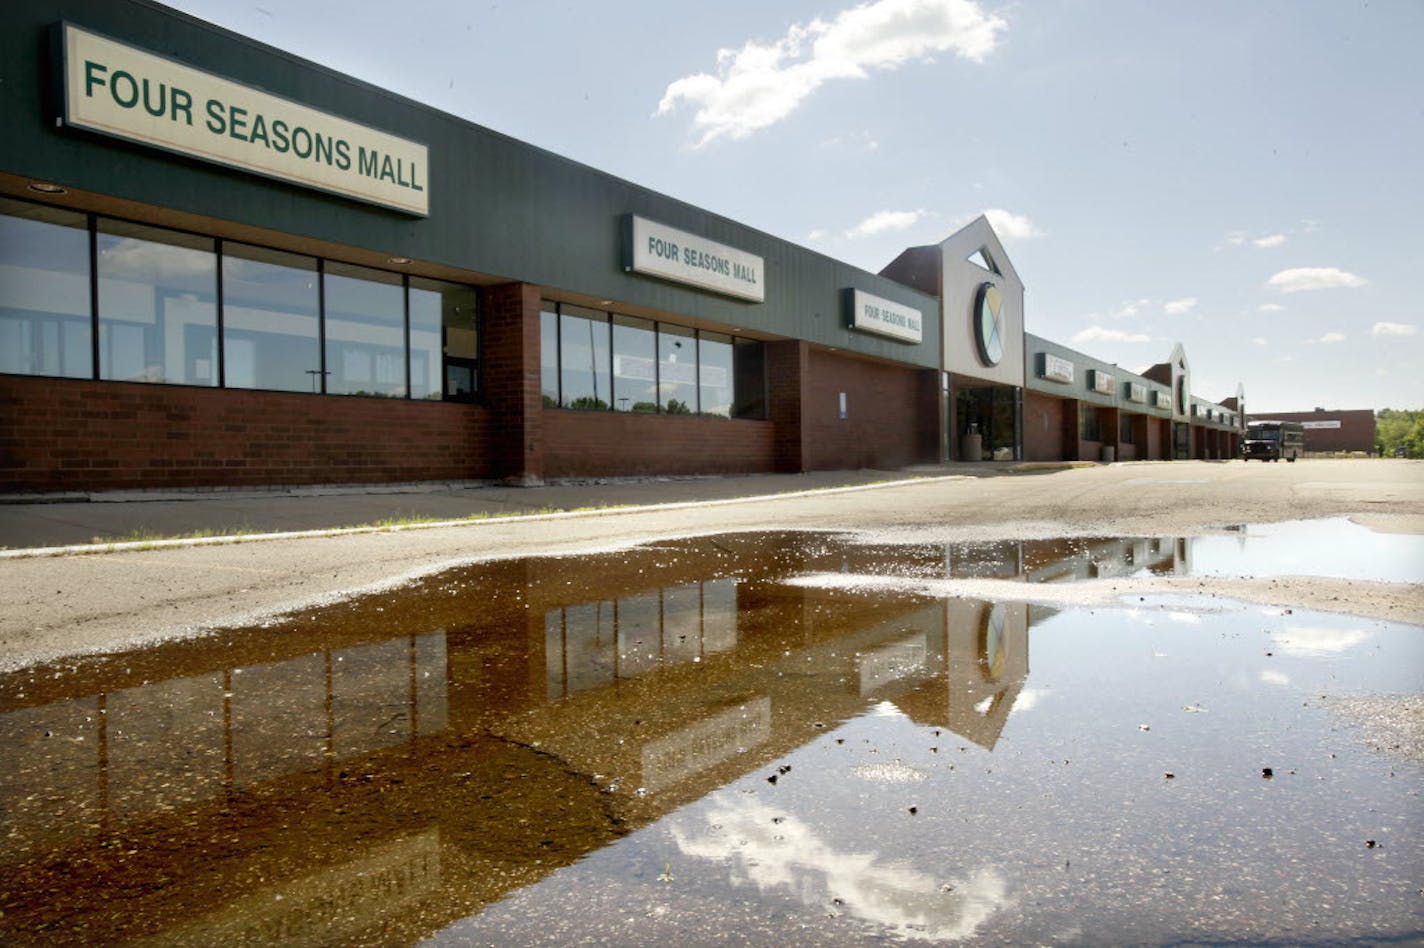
(1181, 441)
(989, 417)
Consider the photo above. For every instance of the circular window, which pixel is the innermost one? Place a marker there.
(989, 324)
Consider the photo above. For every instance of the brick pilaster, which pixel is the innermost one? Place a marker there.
(788, 374)
(510, 362)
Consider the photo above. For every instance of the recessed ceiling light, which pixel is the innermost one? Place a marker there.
(399, 261)
(605, 302)
(44, 187)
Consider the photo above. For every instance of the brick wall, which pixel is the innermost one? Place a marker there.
(63, 434)
(606, 443)
(1045, 420)
(887, 408)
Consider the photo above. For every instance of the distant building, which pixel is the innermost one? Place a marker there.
(1332, 430)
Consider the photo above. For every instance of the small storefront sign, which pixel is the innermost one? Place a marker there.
(885, 317)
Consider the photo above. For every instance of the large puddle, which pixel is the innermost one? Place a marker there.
(689, 742)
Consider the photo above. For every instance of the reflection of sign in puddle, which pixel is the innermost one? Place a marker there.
(893, 662)
(709, 742)
(330, 906)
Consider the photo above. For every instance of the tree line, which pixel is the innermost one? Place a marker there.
(1399, 428)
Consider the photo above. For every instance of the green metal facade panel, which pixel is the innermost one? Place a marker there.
(1036, 346)
(499, 207)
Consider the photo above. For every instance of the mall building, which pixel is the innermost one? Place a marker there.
(222, 265)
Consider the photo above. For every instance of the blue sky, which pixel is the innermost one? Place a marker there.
(1243, 178)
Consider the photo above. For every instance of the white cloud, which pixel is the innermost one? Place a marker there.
(1259, 340)
(1393, 329)
(1328, 338)
(1236, 238)
(762, 83)
(1312, 642)
(882, 221)
(1128, 309)
(1180, 307)
(1011, 226)
(1275, 240)
(1099, 334)
(815, 236)
(1313, 278)
(1270, 308)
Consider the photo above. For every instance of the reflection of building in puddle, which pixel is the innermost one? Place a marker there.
(101, 761)
(592, 645)
(776, 851)
(675, 670)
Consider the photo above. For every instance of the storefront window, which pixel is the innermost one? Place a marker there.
(584, 358)
(45, 326)
(549, 354)
(1089, 428)
(1125, 428)
(677, 370)
(271, 309)
(635, 386)
(749, 379)
(365, 331)
(444, 340)
(157, 305)
(714, 373)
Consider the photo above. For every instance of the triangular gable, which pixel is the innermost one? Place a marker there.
(978, 238)
(1179, 359)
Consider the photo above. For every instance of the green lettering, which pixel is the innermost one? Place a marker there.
(217, 117)
(368, 162)
(182, 102)
(92, 77)
(237, 123)
(280, 141)
(259, 131)
(119, 77)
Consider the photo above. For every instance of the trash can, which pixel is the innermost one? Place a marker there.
(971, 447)
(1109, 453)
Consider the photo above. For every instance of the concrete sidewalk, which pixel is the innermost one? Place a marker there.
(31, 521)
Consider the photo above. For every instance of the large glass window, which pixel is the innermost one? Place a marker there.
(157, 305)
(677, 370)
(271, 311)
(584, 358)
(549, 354)
(365, 331)
(443, 330)
(1089, 427)
(635, 386)
(749, 372)
(714, 373)
(45, 325)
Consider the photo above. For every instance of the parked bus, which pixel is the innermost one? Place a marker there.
(1273, 440)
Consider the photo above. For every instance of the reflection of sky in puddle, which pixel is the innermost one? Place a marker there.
(1336, 548)
(890, 827)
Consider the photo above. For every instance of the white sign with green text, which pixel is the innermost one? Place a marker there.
(118, 90)
(885, 317)
(662, 251)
